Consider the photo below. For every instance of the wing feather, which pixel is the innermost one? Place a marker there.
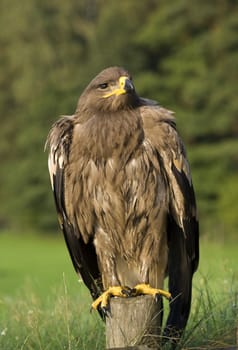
(160, 129)
(83, 255)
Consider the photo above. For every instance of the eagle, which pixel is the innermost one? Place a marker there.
(124, 196)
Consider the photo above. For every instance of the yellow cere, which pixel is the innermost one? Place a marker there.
(119, 90)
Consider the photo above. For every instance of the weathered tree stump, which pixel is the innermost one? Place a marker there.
(135, 323)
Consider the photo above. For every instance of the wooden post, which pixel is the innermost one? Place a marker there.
(135, 323)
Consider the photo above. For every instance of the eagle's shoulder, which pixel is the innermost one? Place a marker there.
(58, 142)
(160, 127)
(153, 114)
(60, 131)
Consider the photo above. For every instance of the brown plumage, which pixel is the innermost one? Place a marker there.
(124, 194)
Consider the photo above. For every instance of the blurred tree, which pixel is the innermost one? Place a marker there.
(183, 54)
(42, 59)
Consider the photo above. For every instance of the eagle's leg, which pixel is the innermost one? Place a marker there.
(103, 300)
(146, 289)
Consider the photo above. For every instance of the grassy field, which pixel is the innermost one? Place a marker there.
(44, 306)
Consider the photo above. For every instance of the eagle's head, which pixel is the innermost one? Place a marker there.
(110, 91)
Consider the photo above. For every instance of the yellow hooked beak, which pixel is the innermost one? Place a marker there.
(124, 85)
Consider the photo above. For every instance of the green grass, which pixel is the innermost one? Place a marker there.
(38, 260)
(43, 306)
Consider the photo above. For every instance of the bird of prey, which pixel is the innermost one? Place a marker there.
(124, 196)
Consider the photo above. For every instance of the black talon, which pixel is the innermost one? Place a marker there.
(106, 311)
(133, 292)
(127, 291)
(157, 297)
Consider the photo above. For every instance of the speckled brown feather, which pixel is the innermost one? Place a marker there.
(124, 194)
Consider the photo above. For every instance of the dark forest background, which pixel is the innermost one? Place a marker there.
(182, 53)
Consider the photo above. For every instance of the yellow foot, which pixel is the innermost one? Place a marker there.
(146, 289)
(103, 300)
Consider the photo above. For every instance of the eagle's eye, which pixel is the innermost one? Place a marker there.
(103, 86)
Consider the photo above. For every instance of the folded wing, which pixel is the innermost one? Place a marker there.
(83, 255)
(182, 229)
